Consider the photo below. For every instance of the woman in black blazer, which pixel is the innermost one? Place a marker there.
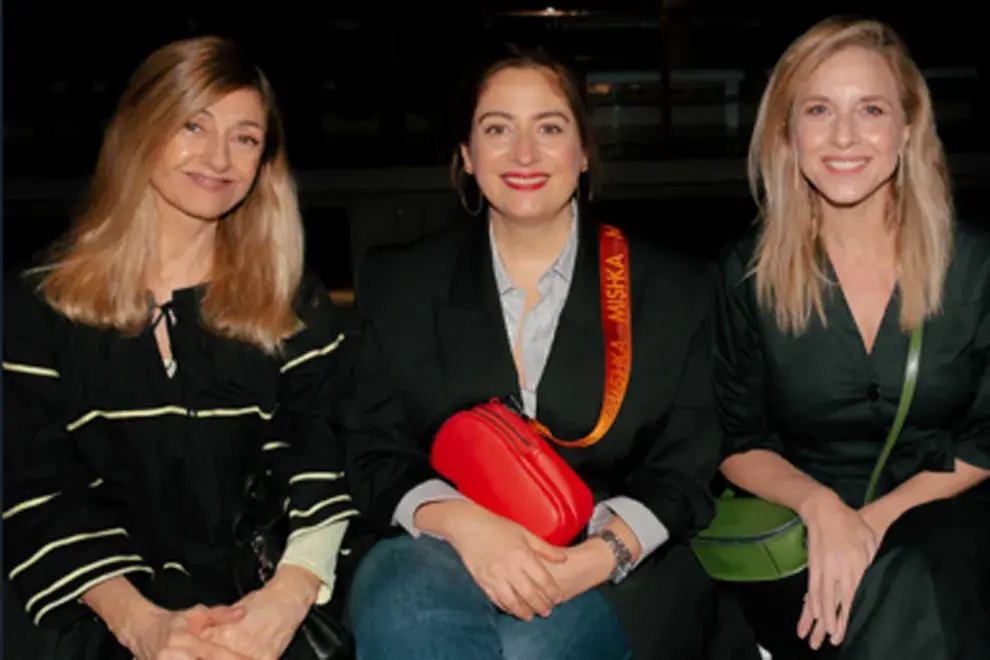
(443, 333)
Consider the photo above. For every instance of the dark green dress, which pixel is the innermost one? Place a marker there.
(825, 404)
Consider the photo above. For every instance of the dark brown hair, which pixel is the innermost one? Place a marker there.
(570, 84)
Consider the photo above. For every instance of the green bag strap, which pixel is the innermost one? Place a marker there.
(907, 393)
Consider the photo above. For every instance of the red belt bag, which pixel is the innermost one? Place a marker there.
(502, 460)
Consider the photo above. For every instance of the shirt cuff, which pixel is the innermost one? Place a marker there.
(316, 550)
(649, 531)
(434, 490)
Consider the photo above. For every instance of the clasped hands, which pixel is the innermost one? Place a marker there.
(522, 574)
(842, 543)
(258, 627)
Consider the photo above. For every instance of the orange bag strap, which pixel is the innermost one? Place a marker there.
(617, 326)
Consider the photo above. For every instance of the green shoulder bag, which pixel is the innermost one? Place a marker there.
(752, 540)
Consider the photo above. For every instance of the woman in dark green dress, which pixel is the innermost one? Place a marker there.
(857, 246)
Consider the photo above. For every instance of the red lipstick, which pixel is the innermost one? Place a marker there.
(525, 181)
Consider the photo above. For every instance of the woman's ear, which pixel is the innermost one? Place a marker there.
(466, 157)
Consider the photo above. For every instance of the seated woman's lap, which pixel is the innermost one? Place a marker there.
(927, 590)
(929, 586)
(414, 598)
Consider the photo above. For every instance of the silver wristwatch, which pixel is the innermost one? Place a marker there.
(623, 558)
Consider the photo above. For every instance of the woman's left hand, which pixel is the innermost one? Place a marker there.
(272, 615)
(879, 520)
(588, 565)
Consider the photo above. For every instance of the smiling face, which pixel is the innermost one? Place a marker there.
(849, 126)
(208, 167)
(525, 149)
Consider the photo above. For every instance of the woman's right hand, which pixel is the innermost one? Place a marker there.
(841, 546)
(167, 635)
(505, 560)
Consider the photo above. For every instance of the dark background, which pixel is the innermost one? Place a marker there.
(367, 94)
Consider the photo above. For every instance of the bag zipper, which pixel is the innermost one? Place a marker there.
(506, 426)
(742, 540)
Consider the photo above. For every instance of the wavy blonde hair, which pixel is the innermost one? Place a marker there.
(99, 273)
(789, 265)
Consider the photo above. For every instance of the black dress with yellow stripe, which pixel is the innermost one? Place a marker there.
(116, 465)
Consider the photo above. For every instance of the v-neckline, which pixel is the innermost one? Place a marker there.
(867, 351)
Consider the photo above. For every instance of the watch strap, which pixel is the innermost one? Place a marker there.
(623, 557)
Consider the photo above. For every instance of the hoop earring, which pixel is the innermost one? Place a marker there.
(460, 193)
(899, 184)
(476, 212)
(802, 186)
(796, 171)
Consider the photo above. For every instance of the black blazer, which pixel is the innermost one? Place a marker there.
(435, 342)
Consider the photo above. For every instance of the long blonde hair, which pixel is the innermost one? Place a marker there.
(789, 264)
(98, 274)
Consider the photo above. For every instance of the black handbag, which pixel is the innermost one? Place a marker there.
(259, 537)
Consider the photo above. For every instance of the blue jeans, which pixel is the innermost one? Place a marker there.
(413, 598)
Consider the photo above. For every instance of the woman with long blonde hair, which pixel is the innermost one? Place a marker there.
(167, 352)
(856, 248)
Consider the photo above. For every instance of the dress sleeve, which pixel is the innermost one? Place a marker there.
(973, 440)
(314, 384)
(738, 363)
(59, 542)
